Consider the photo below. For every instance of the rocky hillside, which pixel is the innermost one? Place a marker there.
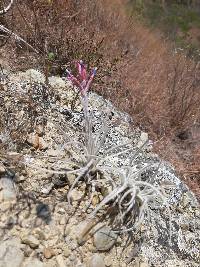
(42, 137)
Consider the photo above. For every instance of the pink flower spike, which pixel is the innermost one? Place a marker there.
(82, 82)
(90, 79)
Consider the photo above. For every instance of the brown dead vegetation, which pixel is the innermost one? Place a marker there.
(138, 70)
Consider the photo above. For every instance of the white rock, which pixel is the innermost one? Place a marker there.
(104, 239)
(33, 76)
(96, 261)
(144, 264)
(10, 253)
(51, 263)
(21, 178)
(76, 195)
(7, 192)
(47, 189)
(57, 82)
(33, 263)
(108, 261)
(66, 251)
(4, 206)
(60, 261)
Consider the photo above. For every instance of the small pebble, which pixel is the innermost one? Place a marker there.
(31, 241)
(48, 253)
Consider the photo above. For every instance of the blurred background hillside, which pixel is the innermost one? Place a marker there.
(177, 20)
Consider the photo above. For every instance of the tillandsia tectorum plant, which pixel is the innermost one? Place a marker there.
(131, 198)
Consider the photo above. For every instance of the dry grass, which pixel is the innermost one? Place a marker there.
(138, 70)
